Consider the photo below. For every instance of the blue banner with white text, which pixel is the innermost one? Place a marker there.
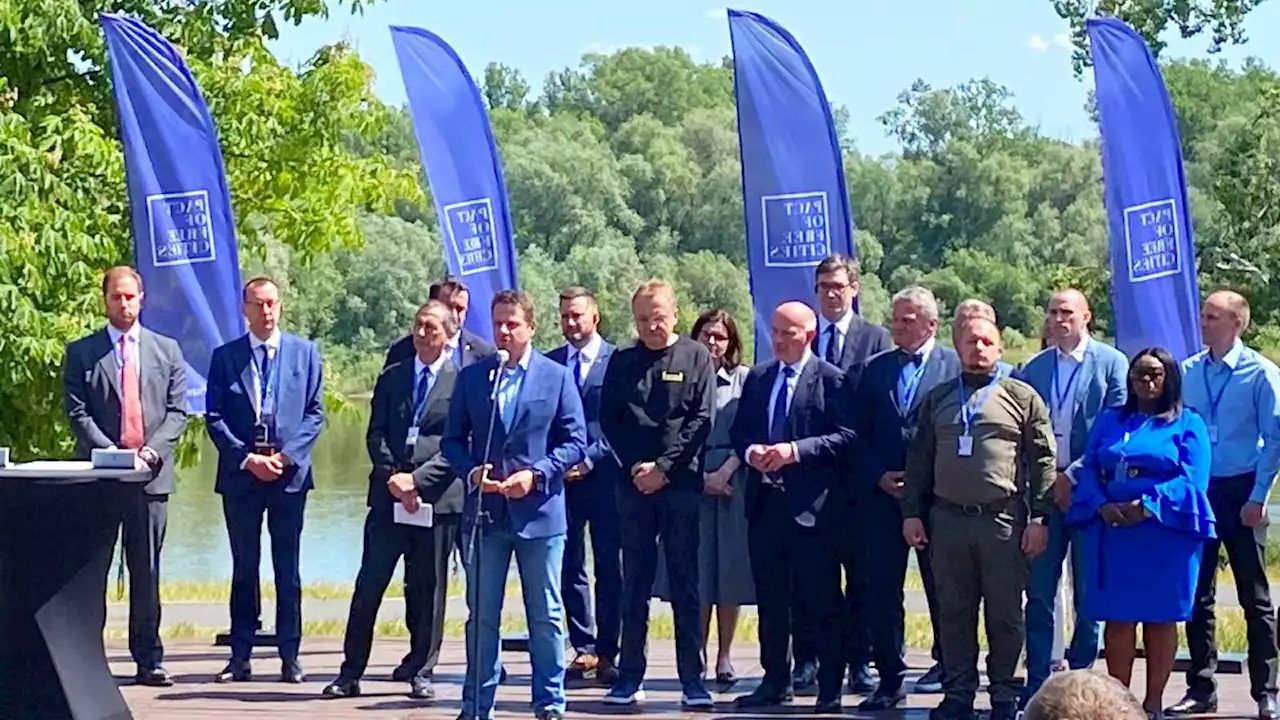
(793, 188)
(1153, 263)
(463, 168)
(183, 228)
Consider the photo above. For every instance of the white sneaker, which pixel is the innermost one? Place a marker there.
(619, 694)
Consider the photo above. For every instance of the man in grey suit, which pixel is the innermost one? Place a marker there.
(126, 387)
(1078, 378)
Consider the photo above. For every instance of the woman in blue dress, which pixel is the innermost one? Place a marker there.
(1144, 516)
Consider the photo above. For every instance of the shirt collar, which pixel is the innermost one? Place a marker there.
(1232, 358)
(798, 366)
(435, 367)
(454, 341)
(1078, 353)
(272, 342)
(724, 376)
(523, 363)
(842, 324)
(115, 333)
(590, 351)
(927, 348)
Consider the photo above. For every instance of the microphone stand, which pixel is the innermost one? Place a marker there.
(475, 539)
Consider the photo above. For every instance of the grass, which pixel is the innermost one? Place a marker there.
(919, 633)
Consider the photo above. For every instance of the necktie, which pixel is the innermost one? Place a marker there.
(131, 432)
(778, 423)
(420, 392)
(266, 400)
(577, 369)
(830, 356)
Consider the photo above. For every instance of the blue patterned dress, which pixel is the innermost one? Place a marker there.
(1145, 572)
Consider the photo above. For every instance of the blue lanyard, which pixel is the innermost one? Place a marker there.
(911, 385)
(974, 404)
(1060, 399)
(268, 382)
(1214, 401)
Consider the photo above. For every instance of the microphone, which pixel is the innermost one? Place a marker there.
(503, 358)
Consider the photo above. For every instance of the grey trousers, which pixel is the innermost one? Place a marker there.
(143, 537)
(978, 559)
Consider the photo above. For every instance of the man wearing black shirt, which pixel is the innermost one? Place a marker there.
(656, 407)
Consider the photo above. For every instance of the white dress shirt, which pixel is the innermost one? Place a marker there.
(1062, 389)
(133, 333)
(586, 356)
(272, 344)
(842, 333)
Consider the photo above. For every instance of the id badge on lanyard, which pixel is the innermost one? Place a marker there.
(969, 409)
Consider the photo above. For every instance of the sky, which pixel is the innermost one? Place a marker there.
(865, 51)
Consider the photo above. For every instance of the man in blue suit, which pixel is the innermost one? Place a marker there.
(886, 414)
(264, 413)
(514, 457)
(1078, 378)
(590, 497)
(792, 430)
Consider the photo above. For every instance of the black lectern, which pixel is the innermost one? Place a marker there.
(58, 526)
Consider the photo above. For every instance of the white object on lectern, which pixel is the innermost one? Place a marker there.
(112, 459)
(422, 518)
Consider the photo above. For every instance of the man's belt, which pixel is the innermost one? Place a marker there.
(977, 509)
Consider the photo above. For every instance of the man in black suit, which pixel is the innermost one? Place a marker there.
(409, 409)
(845, 340)
(126, 387)
(887, 401)
(792, 430)
(463, 347)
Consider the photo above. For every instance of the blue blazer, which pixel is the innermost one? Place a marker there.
(597, 449)
(548, 436)
(230, 417)
(1101, 384)
(884, 433)
(818, 422)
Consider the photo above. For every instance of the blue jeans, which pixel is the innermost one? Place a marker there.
(539, 562)
(1042, 589)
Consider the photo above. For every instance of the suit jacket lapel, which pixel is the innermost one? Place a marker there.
(932, 370)
(245, 353)
(528, 386)
(595, 376)
(442, 388)
(1081, 387)
(855, 325)
(148, 366)
(804, 391)
(107, 359)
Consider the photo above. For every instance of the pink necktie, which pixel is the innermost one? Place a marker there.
(131, 432)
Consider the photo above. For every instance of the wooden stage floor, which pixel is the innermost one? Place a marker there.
(197, 697)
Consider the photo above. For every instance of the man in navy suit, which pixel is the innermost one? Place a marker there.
(887, 401)
(264, 412)
(792, 430)
(590, 496)
(1078, 378)
(538, 433)
(464, 347)
(845, 340)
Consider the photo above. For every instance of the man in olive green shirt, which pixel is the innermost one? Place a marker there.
(984, 451)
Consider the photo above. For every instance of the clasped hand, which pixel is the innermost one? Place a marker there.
(517, 485)
(718, 482)
(402, 488)
(771, 458)
(648, 478)
(267, 468)
(1123, 514)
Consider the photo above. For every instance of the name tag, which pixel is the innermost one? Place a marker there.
(672, 376)
(965, 447)
(411, 439)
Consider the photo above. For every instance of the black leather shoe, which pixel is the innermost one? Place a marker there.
(1267, 709)
(235, 671)
(402, 673)
(883, 700)
(420, 689)
(291, 672)
(763, 697)
(952, 710)
(343, 687)
(154, 677)
(550, 715)
(827, 706)
(1004, 711)
(1193, 706)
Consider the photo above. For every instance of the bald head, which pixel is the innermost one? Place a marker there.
(1067, 319)
(1223, 319)
(978, 341)
(792, 329)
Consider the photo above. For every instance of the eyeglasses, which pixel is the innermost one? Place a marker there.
(1147, 375)
(827, 287)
